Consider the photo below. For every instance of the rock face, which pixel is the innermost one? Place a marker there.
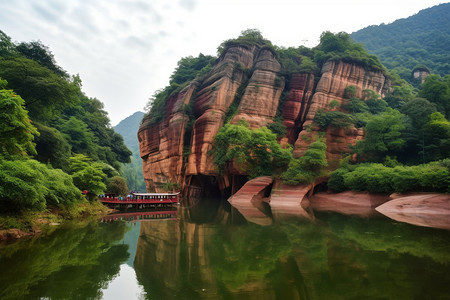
(348, 203)
(429, 210)
(249, 200)
(335, 77)
(178, 149)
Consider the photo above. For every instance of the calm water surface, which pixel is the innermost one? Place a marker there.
(215, 252)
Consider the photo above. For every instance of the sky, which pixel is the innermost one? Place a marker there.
(126, 50)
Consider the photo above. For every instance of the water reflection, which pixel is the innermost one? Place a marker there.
(212, 251)
(72, 263)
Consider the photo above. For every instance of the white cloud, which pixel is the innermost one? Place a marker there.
(125, 50)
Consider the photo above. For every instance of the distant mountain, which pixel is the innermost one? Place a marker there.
(420, 40)
(128, 128)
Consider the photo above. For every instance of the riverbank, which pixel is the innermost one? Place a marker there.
(27, 224)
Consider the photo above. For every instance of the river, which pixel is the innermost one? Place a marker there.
(212, 251)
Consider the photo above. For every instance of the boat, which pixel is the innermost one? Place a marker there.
(142, 199)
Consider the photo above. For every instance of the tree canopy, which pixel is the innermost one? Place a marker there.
(16, 131)
(255, 152)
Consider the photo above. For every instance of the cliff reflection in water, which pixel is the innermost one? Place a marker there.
(216, 253)
(212, 251)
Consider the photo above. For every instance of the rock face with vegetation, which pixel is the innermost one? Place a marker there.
(266, 86)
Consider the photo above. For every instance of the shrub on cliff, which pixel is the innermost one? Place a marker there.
(308, 167)
(255, 152)
(248, 37)
(188, 68)
(340, 47)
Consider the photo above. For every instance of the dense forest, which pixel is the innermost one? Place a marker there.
(57, 146)
(420, 41)
(407, 133)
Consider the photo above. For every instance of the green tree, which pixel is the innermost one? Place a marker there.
(382, 136)
(255, 152)
(45, 93)
(118, 186)
(27, 184)
(16, 131)
(340, 47)
(87, 175)
(436, 138)
(7, 47)
(79, 136)
(399, 95)
(40, 53)
(418, 110)
(309, 166)
(437, 90)
(52, 147)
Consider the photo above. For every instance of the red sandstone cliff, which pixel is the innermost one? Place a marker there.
(169, 156)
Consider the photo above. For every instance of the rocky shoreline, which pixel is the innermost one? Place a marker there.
(420, 209)
(35, 224)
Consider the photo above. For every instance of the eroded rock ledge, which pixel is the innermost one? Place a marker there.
(429, 210)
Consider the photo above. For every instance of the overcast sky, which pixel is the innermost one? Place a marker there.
(125, 50)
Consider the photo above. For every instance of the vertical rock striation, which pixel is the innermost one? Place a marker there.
(246, 83)
(334, 78)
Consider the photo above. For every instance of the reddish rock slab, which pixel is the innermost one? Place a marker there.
(429, 210)
(248, 200)
(288, 199)
(348, 203)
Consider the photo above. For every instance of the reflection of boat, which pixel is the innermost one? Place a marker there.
(141, 215)
(141, 199)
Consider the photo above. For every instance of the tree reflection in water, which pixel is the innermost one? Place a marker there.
(222, 256)
(213, 251)
(74, 262)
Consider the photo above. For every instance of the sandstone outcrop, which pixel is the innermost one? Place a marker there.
(349, 203)
(429, 210)
(335, 77)
(249, 200)
(288, 199)
(246, 82)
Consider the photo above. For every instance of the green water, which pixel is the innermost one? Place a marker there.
(215, 252)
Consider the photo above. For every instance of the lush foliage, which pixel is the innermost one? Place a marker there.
(50, 121)
(16, 131)
(437, 91)
(340, 47)
(247, 38)
(296, 60)
(87, 175)
(309, 166)
(422, 39)
(255, 152)
(383, 135)
(29, 185)
(118, 186)
(378, 178)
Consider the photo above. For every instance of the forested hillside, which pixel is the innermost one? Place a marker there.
(128, 128)
(422, 40)
(55, 141)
